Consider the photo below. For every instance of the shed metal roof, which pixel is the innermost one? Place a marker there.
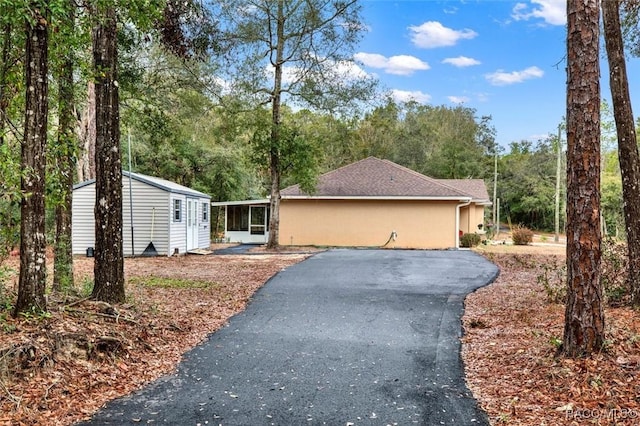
(163, 184)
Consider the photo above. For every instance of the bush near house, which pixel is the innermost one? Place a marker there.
(470, 240)
(521, 235)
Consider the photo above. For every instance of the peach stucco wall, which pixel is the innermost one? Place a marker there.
(368, 223)
(470, 217)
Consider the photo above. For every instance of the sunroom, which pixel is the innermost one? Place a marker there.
(246, 221)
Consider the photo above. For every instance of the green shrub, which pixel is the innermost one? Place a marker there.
(521, 235)
(614, 272)
(469, 240)
(553, 278)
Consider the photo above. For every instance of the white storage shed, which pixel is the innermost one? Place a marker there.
(173, 217)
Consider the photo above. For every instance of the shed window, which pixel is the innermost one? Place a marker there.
(238, 218)
(205, 212)
(177, 210)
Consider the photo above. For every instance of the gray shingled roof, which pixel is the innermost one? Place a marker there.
(373, 177)
(474, 187)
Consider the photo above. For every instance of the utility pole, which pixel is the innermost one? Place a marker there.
(558, 169)
(498, 215)
(494, 216)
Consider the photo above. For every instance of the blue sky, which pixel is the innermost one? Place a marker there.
(503, 58)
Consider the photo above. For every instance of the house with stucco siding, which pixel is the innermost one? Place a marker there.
(370, 203)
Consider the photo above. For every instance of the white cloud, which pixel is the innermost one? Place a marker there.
(553, 12)
(502, 78)
(406, 96)
(398, 65)
(458, 99)
(433, 34)
(461, 61)
(350, 70)
(539, 137)
(482, 97)
(344, 69)
(451, 10)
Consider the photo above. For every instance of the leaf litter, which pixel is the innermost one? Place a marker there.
(510, 344)
(61, 368)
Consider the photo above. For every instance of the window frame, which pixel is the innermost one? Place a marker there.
(205, 212)
(177, 210)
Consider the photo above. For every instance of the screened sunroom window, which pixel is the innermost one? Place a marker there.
(238, 218)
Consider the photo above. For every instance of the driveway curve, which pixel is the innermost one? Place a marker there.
(347, 337)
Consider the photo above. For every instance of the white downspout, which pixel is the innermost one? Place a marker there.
(458, 207)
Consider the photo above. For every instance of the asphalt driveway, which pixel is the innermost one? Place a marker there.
(347, 337)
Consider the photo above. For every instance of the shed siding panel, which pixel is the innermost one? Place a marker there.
(83, 229)
(368, 223)
(150, 206)
(147, 202)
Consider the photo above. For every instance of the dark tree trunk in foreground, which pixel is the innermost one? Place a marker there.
(627, 143)
(31, 285)
(109, 256)
(584, 316)
(65, 164)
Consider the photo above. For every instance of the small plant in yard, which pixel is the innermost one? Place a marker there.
(521, 235)
(555, 341)
(35, 314)
(615, 266)
(554, 280)
(524, 261)
(87, 287)
(470, 240)
(6, 296)
(553, 275)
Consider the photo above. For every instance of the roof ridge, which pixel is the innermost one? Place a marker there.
(330, 172)
(425, 177)
(375, 176)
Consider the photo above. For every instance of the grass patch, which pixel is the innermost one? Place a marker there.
(163, 282)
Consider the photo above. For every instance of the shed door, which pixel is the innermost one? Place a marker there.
(192, 224)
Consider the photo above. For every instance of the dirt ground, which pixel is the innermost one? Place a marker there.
(58, 368)
(512, 332)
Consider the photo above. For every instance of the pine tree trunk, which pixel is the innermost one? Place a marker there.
(109, 256)
(584, 316)
(31, 285)
(87, 137)
(627, 143)
(63, 256)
